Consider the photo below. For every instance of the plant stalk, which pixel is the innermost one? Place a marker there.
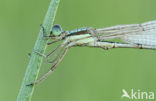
(34, 65)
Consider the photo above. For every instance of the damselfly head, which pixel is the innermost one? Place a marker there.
(56, 30)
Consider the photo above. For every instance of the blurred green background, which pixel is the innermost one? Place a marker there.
(85, 74)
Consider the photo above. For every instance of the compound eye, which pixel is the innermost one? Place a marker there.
(56, 30)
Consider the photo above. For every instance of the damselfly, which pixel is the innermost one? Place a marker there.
(142, 36)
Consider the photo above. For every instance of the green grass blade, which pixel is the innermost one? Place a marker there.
(33, 68)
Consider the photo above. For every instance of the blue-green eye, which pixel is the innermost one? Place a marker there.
(56, 30)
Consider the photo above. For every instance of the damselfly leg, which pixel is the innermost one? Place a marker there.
(56, 57)
(59, 56)
(51, 69)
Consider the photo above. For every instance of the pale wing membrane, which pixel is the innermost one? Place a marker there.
(117, 31)
(144, 33)
(145, 38)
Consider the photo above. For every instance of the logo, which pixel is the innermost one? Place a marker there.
(137, 94)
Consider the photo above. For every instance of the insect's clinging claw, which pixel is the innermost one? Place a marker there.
(43, 29)
(29, 54)
(43, 32)
(40, 53)
(31, 84)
